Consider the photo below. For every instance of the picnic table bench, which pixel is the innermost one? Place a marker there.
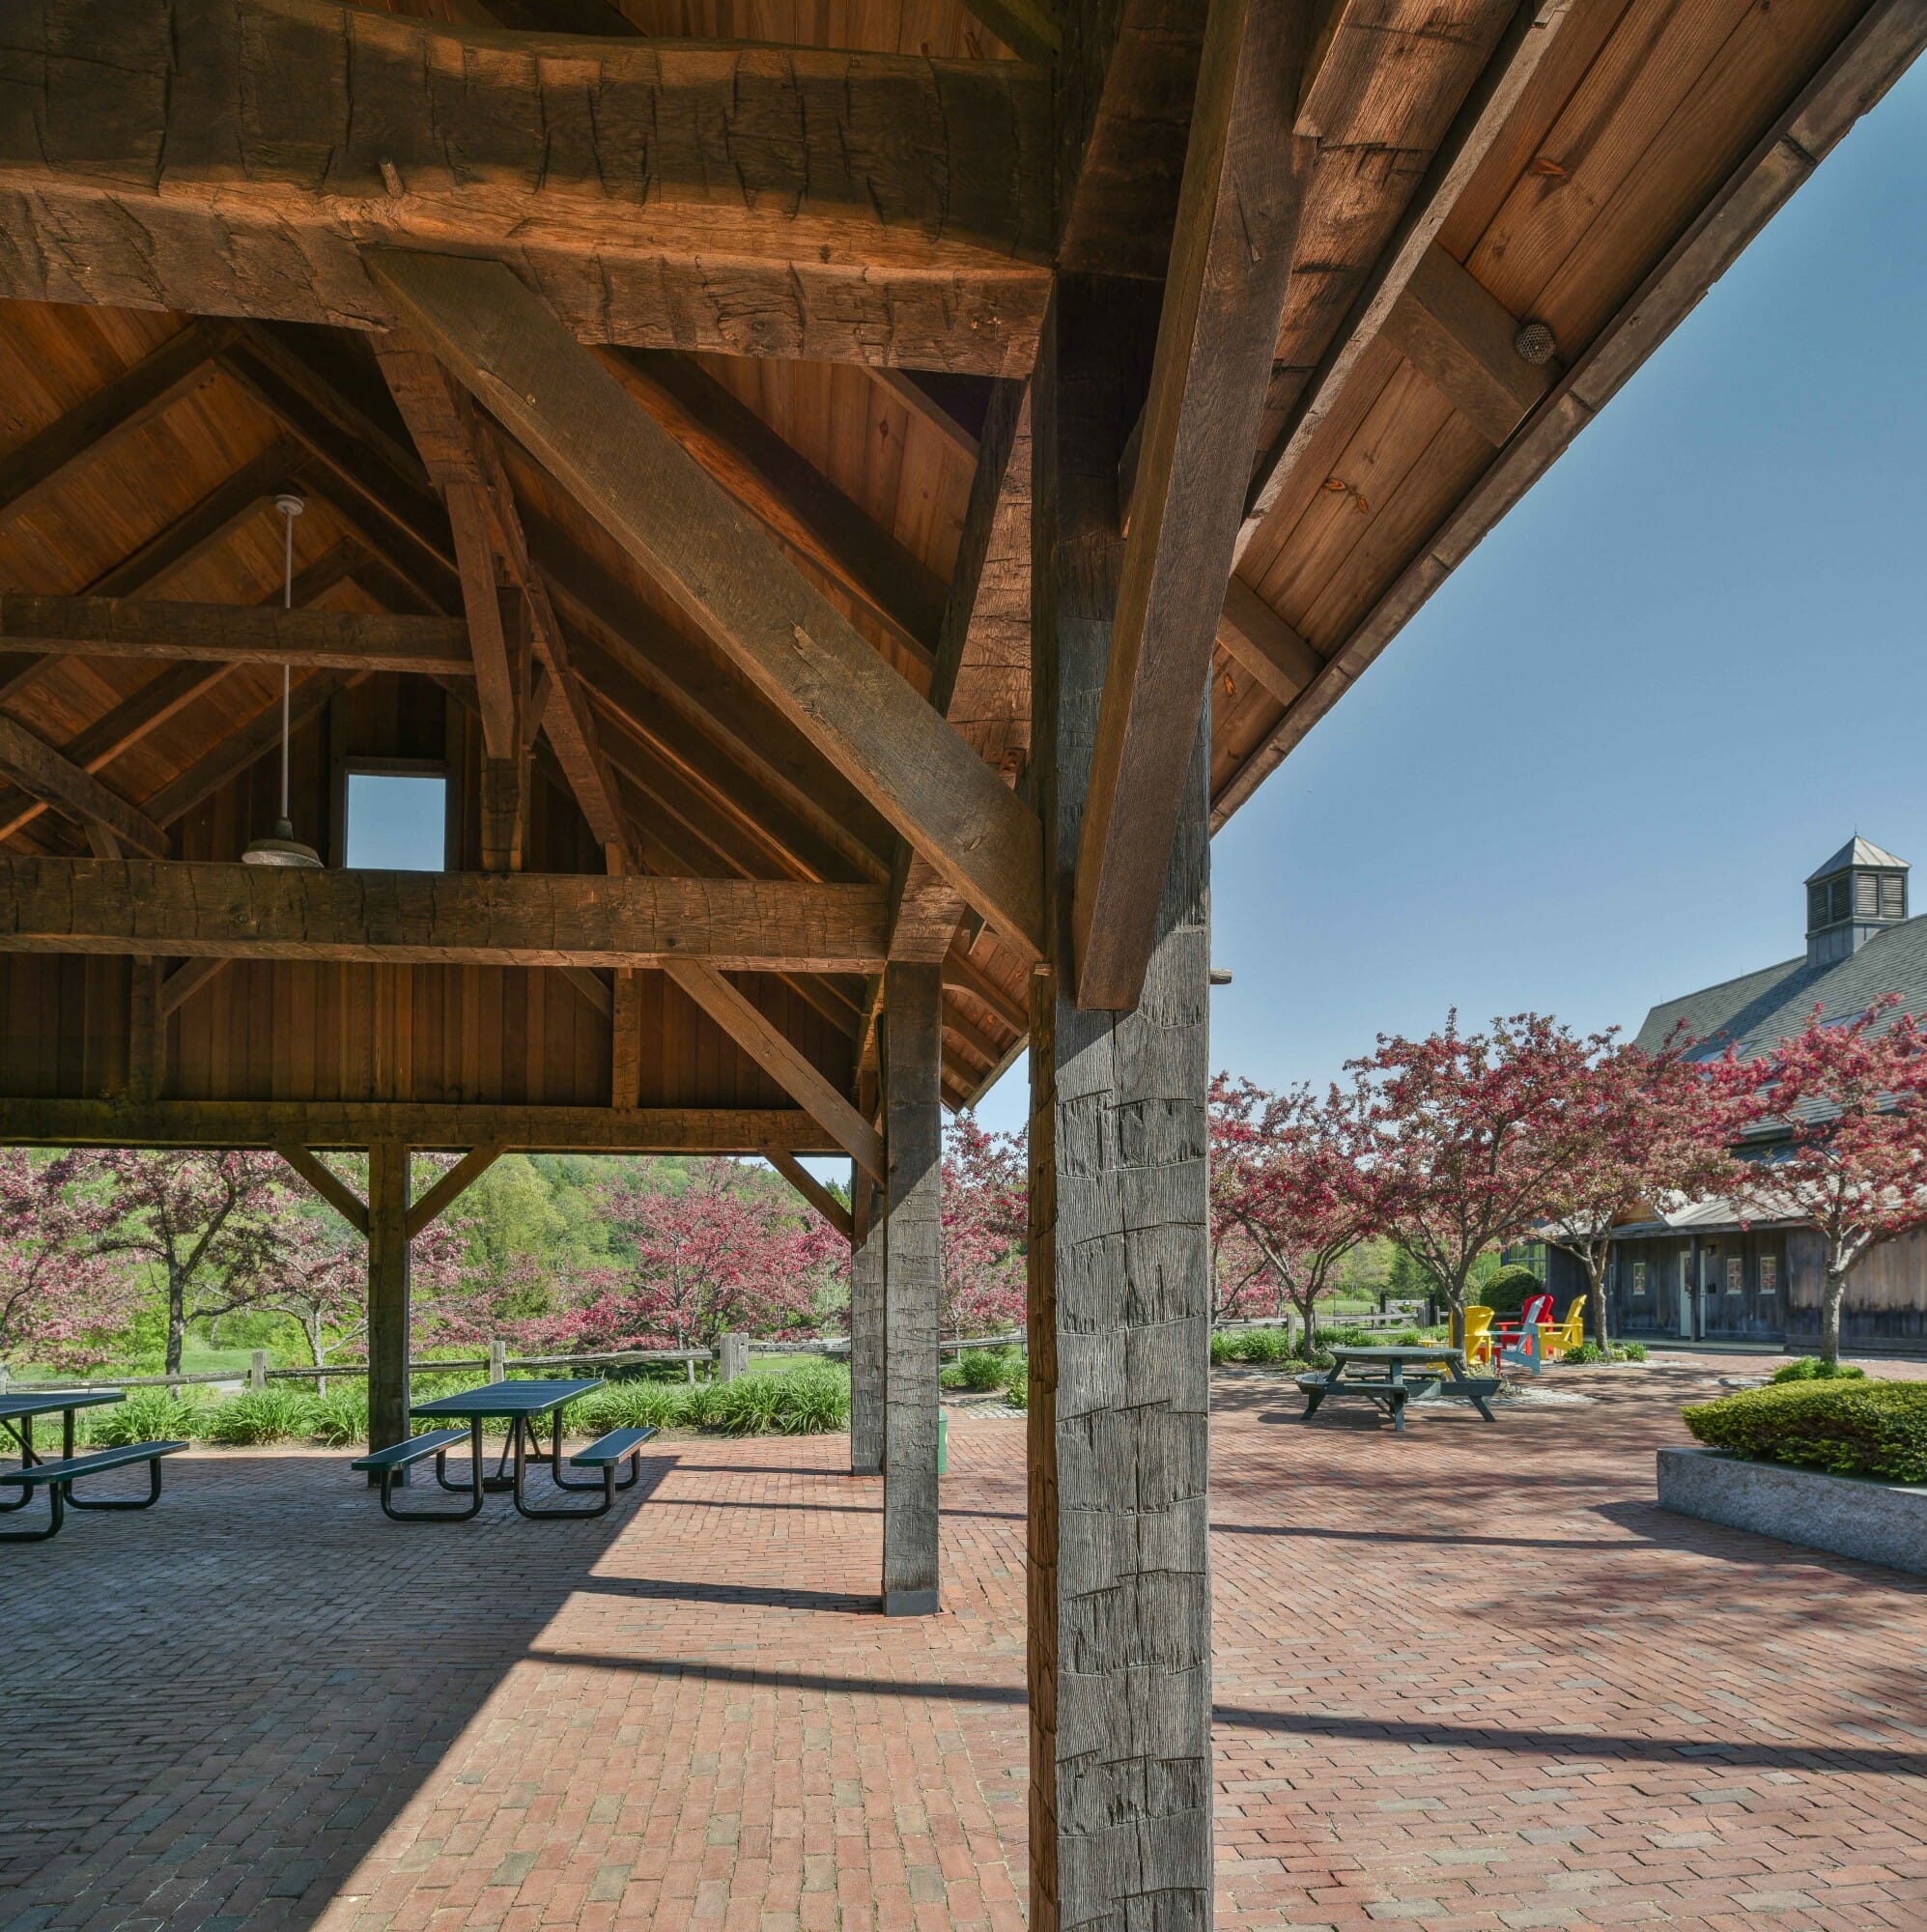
(57, 1476)
(1439, 1368)
(524, 1404)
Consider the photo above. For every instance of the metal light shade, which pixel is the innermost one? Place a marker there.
(283, 848)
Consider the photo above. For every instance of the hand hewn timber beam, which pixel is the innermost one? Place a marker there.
(185, 981)
(707, 554)
(1462, 338)
(814, 1192)
(36, 767)
(449, 1189)
(1261, 642)
(183, 364)
(1238, 212)
(116, 627)
(1472, 136)
(1874, 53)
(329, 1184)
(779, 1057)
(790, 496)
(870, 207)
(192, 909)
(273, 1125)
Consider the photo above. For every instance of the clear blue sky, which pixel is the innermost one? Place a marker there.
(1594, 770)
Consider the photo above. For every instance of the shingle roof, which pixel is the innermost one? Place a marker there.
(1857, 851)
(1759, 1010)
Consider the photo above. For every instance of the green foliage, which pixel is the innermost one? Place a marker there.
(258, 1415)
(1253, 1345)
(1406, 1278)
(952, 1376)
(1847, 1428)
(1588, 1353)
(1506, 1290)
(809, 1399)
(1813, 1368)
(148, 1415)
(1017, 1382)
(339, 1415)
(984, 1369)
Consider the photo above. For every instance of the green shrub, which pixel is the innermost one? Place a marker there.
(1505, 1293)
(1811, 1368)
(1017, 1382)
(339, 1417)
(1407, 1338)
(952, 1376)
(1849, 1428)
(1351, 1338)
(1253, 1345)
(148, 1415)
(259, 1415)
(982, 1369)
(1591, 1351)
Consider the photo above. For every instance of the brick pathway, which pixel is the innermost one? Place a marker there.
(1467, 1678)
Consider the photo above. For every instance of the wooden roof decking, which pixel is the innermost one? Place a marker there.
(1470, 166)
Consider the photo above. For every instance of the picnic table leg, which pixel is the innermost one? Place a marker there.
(55, 1506)
(26, 1442)
(1398, 1405)
(556, 1474)
(528, 1509)
(473, 1486)
(146, 1501)
(1455, 1371)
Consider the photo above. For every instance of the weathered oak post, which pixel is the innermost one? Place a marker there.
(912, 1269)
(387, 1294)
(866, 1324)
(1119, 1298)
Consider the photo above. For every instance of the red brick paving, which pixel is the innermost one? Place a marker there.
(1470, 1678)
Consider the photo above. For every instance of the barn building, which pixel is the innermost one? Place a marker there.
(1702, 1275)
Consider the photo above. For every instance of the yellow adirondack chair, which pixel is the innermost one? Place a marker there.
(1556, 1338)
(1478, 1332)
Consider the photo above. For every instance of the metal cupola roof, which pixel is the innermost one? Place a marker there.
(1857, 852)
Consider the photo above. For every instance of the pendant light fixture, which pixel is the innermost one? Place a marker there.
(284, 848)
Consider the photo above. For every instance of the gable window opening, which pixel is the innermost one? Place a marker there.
(396, 820)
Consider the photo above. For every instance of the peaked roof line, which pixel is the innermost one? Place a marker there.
(1857, 851)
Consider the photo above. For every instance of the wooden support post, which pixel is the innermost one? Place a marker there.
(733, 1356)
(147, 1032)
(866, 1325)
(257, 1372)
(625, 1077)
(497, 1359)
(1120, 1292)
(387, 1294)
(912, 1284)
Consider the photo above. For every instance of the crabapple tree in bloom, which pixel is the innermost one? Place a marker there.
(62, 1302)
(1462, 1133)
(1641, 1130)
(1850, 1103)
(983, 1228)
(721, 1253)
(1287, 1175)
(212, 1228)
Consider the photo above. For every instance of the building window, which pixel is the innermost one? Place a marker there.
(397, 821)
(1736, 1275)
(1770, 1277)
(1526, 1254)
(1639, 1281)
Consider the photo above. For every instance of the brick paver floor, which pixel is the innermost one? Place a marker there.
(1467, 1677)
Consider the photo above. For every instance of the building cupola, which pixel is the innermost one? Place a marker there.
(1857, 893)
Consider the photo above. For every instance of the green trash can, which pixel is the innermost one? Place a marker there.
(942, 1443)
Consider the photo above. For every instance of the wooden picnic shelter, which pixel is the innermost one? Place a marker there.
(850, 496)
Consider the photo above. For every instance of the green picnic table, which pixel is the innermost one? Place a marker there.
(1379, 1375)
(57, 1475)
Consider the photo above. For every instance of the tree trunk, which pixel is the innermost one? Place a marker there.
(1829, 1316)
(1455, 1304)
(1596, 1273)
(177, 1319)
(1308, 1315)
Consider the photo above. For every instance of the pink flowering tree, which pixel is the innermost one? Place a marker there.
(1290, 1173)
(209, 1227)
(720, 1253)
(63, 1304)
(1462, 1135)
(1850, 1103)
(1639, 1129)
(985, 1191)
